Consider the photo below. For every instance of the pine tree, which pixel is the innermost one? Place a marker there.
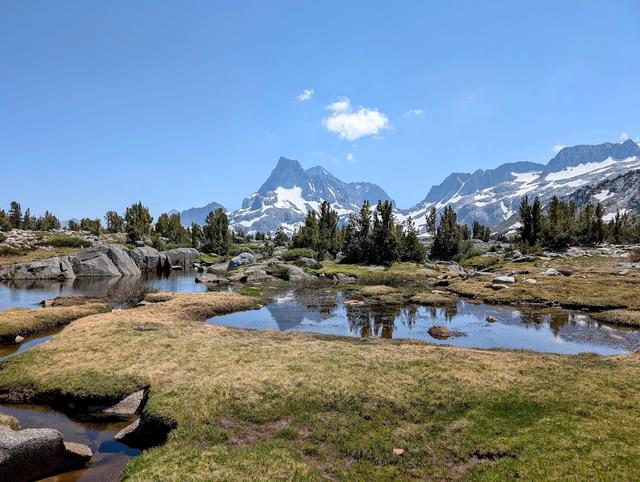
(328, 239)
(431, 221)
(385, 243)
(15, 215)
(448, 237)
(5, 222)
(281, 238)
(91, 225)
(28, 222)
(598, 227)
(137, 222)
(412, 249)
(308, 236)
(537, 220)
(216, 233)
(114, 222)
(197, 236)
(162, 225)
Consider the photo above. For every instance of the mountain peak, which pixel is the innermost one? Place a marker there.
(287, 173)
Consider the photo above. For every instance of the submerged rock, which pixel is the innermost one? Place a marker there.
(442, 332)
(32, 454)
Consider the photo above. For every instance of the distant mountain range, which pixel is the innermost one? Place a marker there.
(492, 196)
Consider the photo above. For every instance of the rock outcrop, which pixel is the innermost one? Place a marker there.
(32, 454)
(102, 261)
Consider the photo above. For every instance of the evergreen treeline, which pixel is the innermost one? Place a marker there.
(562, 224)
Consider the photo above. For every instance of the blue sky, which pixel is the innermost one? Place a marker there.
(181, 103)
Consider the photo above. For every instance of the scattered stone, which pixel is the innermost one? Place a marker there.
(398, 451)
(515, 254)
(442, 332)
(122, 435)
(531, 281)
(551, 272)
(524, 259)
(209, 278)
(47, 303)
(354, 302)
(343, 279)
(19, 339)
(339, 257)
(127, 407)
(496, 286)
(504, 279)
(138, 244)
(241, 260)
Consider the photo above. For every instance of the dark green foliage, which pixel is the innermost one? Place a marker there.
(281, 238)
(63, 241)
(308, 235)
(115, 222)
(197, 236)
(28, 221)
(563, 224)
(297, 253)
(91, 225)
(217, 238)
(431, 221)
(5, 222)
(47, 222)
(481, 232)
(328, 233)
(449, 236)
(171, 229)
(411, 249)
(137, 222)
(385, 240)
(15, 215)
(73, 226)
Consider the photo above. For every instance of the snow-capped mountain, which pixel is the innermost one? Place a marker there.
(615, 193)
(492, 196)
(290, 191)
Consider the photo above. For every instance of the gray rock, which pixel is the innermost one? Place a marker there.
(127, 407)
(524, 259)
(240, 260)
(309, 262)
(456, 270)
(497, 286)
(209, 278)
(516, 254)
(32, 454)
(58, 267)
(531, 281)
(93, 263)
(296, 273)
(504, 279)
(255, 274)
(442, 332)
(343, 279)
(339, 256)
(551, 272)
(149, 259)
(126, 432)
(182, 256)
(121, 258)
(19, 339)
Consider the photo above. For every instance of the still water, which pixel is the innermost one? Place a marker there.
(554, 331)
(28, 294)
(109, 456)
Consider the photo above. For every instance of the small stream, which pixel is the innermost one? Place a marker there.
(109, 456)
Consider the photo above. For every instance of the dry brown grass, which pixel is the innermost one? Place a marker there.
(619, 317)
(432, 298)
(64, 310)
(377, 290)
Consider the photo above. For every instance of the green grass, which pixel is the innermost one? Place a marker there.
(297, 253)
(65, 241)
(253, 405)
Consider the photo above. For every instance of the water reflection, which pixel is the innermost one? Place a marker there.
(28, 293)
(546, 330)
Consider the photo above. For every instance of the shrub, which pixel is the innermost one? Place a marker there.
(10, 251)
(634, 255)
(279, 271)
(128, 295)
(63, 241)
(297, 253)
(2, 237)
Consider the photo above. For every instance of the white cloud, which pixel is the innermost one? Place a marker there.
(353, 124)
(413, 112)
(343, 104)
(624, 136)
(558, 147)
(306, 94)
(350, 157)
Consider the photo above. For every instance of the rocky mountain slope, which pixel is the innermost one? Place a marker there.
(619, 193)
(290, 191)
(198, 215)
(492, 196)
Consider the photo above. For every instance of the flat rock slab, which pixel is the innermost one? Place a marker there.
(34, 453)
(127, 407)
